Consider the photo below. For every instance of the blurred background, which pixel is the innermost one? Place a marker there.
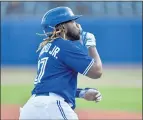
(118, 30)
(116, 25)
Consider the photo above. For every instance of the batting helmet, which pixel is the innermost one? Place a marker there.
(56, 16)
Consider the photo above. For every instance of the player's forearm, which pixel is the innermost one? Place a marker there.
(80, 92)
(94, 54)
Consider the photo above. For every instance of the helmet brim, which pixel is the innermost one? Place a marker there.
(75, 17)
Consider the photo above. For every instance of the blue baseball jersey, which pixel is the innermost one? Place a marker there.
(59, 63)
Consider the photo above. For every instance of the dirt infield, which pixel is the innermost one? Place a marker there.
(12, 112)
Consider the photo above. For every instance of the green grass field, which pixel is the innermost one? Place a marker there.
(114, 98)
(120, 87)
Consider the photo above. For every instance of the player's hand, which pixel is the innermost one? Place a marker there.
(90, 40)
(92, 95)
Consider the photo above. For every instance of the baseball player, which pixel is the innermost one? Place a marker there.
(65, 52)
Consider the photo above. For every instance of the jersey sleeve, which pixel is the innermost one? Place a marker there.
(75, 57)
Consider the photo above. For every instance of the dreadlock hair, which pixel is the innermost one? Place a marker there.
(53, 35)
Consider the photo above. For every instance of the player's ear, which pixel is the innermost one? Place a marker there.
(65, 28)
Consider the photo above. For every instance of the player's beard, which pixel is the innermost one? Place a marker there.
(73, 36)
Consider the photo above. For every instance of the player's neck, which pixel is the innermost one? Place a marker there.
(64, 36)
(68, 38)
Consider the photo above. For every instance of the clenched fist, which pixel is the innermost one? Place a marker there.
(91, 95)
(87, 37)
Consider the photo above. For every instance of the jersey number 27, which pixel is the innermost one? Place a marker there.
(41, 69)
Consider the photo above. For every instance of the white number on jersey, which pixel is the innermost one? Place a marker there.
(41, 69)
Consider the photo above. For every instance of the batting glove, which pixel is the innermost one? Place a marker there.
(90, 40)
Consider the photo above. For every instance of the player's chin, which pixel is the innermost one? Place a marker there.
(76, 37)
(73, 35)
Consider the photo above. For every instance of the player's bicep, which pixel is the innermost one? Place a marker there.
(79, 64)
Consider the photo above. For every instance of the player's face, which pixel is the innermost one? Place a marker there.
(72, 30)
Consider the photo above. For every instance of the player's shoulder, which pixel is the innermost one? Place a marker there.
(69, 45)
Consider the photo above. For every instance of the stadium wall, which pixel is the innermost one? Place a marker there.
(118, 40)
